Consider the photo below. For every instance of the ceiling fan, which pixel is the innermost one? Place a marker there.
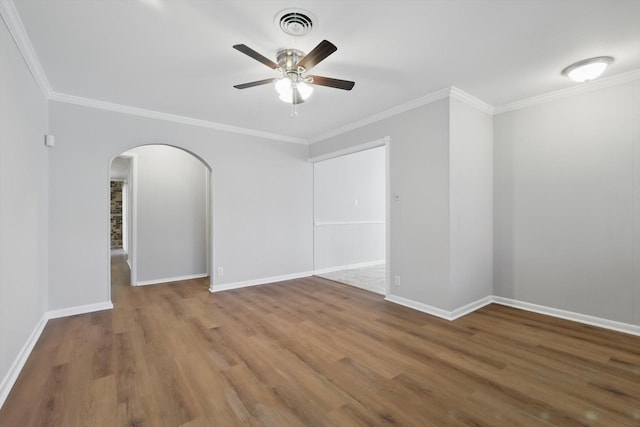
(294, 85)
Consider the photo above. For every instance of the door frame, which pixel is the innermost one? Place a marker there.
(382, 142)
(132, 251)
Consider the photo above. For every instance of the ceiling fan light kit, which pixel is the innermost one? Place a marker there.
(291, 88)
(286, 88)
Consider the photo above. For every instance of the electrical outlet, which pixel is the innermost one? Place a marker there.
(396, 281)
(220, 271)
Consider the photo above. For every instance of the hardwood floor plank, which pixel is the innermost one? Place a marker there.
(313, 352)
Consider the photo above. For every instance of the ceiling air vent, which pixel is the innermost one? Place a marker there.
(295, 22)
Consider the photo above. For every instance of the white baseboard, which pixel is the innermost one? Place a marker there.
(23, 355)
(471, 307)
(80, 309)
(348, 267)
(429, 309)
(627, 328)
(17, 365)
(256, 282)
(438, 312)
(171, 279)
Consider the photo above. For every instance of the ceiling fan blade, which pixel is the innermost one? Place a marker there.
(255, 55)
(252, 84)
(328, 81)
(319, 53)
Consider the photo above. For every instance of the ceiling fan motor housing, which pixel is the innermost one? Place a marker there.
(288, 59)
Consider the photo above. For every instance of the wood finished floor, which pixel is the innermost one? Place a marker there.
(312, 352)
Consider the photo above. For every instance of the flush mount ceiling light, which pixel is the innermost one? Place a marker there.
(588, 69)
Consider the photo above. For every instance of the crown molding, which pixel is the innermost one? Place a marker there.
(19, 33)
(452, 92)
(579, 89)
(419, 102)
(471, 101)
(135, 111)
(17, 30)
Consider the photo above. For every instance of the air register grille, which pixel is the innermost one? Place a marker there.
(295, 22)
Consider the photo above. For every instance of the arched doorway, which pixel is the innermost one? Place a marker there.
(166, 214)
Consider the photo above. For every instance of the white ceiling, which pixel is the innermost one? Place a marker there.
(176, 56)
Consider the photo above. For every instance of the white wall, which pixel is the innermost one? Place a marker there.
(263, 206)
(419, 175)
(566, 203)
(347, 232)
(23, 206)
(470, 203)
(171, 214)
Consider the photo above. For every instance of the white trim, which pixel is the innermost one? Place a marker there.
(132, 259)
(135, 111)
(429, 309)
(471, 307)
(569, 315)
(171, 279)
(451, 91)
(350, 150)
(416, 103)
(17, 30)
(256, 282)
(626, 328)
(19, 33)
(326, 223)
(387, 209)
(348, 267)
(578, 89)
(438, 312)
(471, 101)
(119, 251)
(12, 374)
(80, 309)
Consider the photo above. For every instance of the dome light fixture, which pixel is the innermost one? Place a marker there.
(285, 86)
(588, 69)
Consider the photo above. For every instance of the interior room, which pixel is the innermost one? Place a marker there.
(184, 182)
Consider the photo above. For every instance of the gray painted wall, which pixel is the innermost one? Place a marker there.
(567, 187)
(441, 220)
(342, 235)
(419, 175)
(171, 213)
(23, 203)
(263, 206)
(470, 203)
